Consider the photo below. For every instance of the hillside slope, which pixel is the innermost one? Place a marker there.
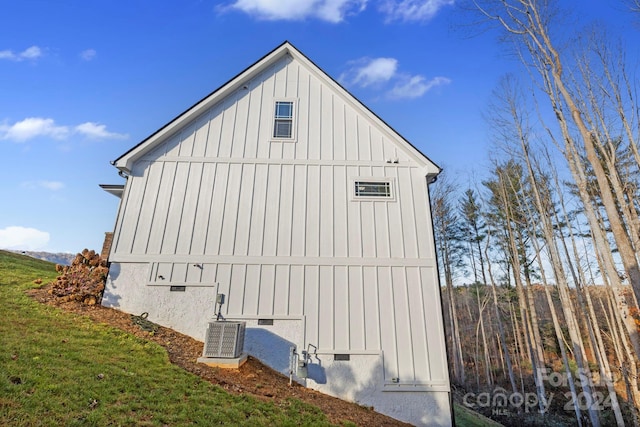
(72, 367)
(62, 258)
(254, 383)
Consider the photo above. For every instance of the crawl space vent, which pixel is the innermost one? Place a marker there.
(224, 339)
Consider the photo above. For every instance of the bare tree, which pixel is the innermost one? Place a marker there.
(506, 190)
(528, 23)
(501, 330)
(634, 5)
(581, 288)
(512, 119)
(447, 234)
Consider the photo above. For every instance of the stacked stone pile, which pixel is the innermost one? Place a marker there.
(83, 280)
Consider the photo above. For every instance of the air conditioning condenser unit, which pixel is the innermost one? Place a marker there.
(224, 339)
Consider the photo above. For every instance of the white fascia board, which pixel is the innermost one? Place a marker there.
(125, 162)
(115, 189)
(431, 172)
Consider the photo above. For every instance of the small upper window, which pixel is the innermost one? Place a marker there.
(283, 123)
(373, 189)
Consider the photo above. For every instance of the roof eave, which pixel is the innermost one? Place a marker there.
(125, 162)
(418, 156)
(115, 189)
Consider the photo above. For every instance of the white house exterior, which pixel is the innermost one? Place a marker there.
(311, 215)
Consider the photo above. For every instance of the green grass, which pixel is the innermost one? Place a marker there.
(58, 368)
(465, 417)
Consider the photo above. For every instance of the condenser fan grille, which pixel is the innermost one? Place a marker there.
(224, 339)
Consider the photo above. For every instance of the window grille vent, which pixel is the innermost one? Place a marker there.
(373, 189)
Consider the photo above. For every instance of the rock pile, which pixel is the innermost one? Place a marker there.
(83, 280)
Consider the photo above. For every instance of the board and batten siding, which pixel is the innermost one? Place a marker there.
(275, 225)
(265, 209)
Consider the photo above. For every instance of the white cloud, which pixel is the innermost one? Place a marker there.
(49, 185)
(88, 54)
(25, 238)
(366, 71)
(34, 127)
(413, 10)
(292, 10)
(336, 10)
(377, 72)
(97, 131)
(415, 86)
(32, 52)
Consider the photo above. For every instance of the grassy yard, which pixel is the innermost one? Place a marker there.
(58, 369)
(467, 418)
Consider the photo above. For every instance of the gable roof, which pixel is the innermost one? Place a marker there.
(125, 161)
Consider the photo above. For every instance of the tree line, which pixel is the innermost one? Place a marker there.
(547, 245)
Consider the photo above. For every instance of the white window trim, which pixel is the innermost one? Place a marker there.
(294, 120)
(392, 187)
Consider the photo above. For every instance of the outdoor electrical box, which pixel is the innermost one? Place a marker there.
(303, 370)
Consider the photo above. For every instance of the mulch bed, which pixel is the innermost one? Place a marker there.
(252, 378)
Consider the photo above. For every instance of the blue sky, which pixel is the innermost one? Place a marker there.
(82, 82)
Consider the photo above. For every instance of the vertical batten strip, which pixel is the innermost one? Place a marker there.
(423, 325)
(251, 211)
(187, 205)
(228, 231)
(139, 201)
(176, 207)
(218, 204)
(160, 211)
(247, 122)
(188, 228)
(292, 230)
(284, 205)
(258, 211)
(288, 299)
(206, 215)
(121, 219)
(412, 339)
(414, 209)
(298, 123)
(243, 209)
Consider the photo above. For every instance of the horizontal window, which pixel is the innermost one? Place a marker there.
(372, 189)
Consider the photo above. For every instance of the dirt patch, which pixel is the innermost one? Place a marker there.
(252, 378)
